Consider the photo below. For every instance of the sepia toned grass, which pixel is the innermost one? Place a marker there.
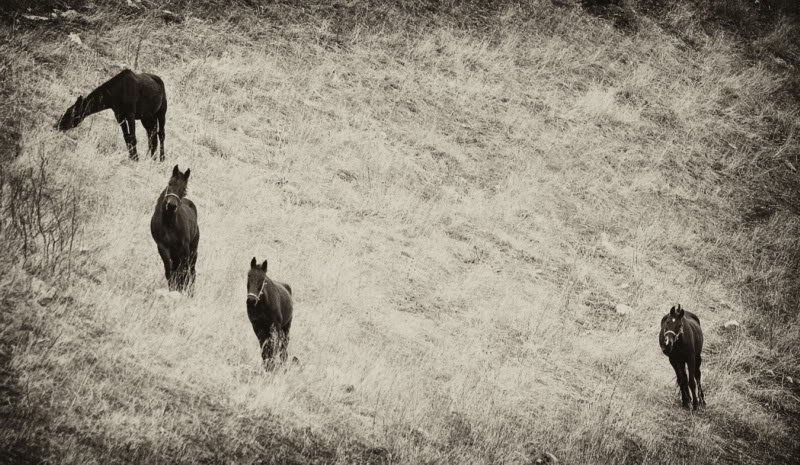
(458, 216)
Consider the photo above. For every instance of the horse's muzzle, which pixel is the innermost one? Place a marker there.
(668, 347)
(251, 300)
(171, 206)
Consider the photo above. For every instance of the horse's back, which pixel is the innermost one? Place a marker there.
(155, 78)
(189, 219)
(142, 93)
(694, 331)
(284, 292)
(693, 316)
(288, 287)
(191, 206)
(693, 321)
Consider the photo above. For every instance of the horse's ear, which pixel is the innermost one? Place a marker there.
(186, 174)
(264, 265)
(175, 171)
(79, 101)
(253, 262)
(678, 311)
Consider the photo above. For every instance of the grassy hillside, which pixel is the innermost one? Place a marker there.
(459, 206)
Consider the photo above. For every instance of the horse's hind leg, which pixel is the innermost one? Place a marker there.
(193, 260)
(127, 123)
(191, 274)
(699, 361)
(693, 381)
(284, 343)
(152, 135)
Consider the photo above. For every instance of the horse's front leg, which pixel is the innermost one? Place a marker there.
(165, 257)
(187, 269)
(177, 276)
(266, 340)
(680, 373)
(127, 122)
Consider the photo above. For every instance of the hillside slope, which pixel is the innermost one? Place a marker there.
(459, 213)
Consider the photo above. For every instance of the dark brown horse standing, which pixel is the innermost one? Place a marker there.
(174, 228)
(681, 339)
(131, 96)
(269, 308)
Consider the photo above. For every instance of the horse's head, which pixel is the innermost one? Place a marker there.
(256, 278)
(176, 189)
(671, 329)
(73, 116)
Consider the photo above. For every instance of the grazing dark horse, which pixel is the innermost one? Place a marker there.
(269, 308)
(131, 96)
(681, 340)
(174, 228)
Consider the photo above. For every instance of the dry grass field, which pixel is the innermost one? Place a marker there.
(460, 210)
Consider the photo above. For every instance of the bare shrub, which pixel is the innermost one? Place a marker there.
(38, 219)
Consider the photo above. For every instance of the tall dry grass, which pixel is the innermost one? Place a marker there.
(458, 214)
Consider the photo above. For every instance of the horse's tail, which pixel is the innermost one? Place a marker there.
(163, 109)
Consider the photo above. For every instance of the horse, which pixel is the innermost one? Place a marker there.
(269, 308)
(681, 339)
(131, 96)
(175, 231)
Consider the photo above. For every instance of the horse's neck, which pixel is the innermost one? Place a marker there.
(169, 219)
(95, 102)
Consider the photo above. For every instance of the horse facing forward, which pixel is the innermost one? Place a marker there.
(131, 96)
(681, 339)
(269, 308)
(175, 230)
